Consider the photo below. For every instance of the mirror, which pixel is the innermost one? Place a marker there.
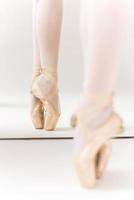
(16, 65)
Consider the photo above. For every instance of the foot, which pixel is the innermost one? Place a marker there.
(45, 89)
(37, 109)
(97, 124)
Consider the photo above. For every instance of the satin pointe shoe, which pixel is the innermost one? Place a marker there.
(97, 124)
(45, 89)
(37, 109)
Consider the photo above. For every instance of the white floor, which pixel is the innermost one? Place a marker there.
(43, 169)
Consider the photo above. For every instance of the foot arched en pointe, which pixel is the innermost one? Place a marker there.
(92, 143)
(45, 90)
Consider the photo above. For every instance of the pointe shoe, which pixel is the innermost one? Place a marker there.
(45, 89)
(37, 110)
(92, 143)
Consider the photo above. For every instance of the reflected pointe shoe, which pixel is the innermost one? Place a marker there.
(97, 124)
(45, 89)
(37, 110)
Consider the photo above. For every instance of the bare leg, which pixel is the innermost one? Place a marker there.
(102, 26)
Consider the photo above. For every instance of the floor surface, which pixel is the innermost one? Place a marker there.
(43, 169)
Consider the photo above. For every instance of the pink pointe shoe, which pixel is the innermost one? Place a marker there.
(97, 124)
(45, 110)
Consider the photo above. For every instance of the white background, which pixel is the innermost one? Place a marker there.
(16, 49)
(43, 169)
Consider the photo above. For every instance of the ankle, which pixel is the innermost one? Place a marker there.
(99, 99)
(94, 110)
(50, 71)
